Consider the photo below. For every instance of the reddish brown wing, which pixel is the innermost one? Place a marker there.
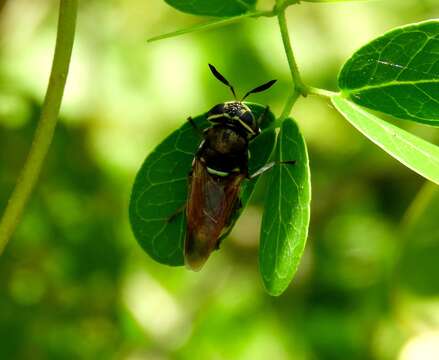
(210, 205)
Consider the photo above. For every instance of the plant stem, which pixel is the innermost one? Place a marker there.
(299, 88)
(213, 24)
(297, 80)
(47, 123)
(320, 92)
(292, 98)
(418, 205)
(330, 1)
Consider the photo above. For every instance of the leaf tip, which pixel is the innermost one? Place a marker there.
(273, 289)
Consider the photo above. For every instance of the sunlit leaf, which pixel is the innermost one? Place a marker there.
(287, 211)
(160, 188)
(397, 73)
(414, 152)
(220, 8)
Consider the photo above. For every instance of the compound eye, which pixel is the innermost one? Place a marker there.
(216, 110)
(248, 119)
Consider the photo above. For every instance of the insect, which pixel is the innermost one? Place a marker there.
(219, 168)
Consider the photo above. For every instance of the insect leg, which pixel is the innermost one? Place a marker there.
(176, 213)
(269, 166)
(196, 128)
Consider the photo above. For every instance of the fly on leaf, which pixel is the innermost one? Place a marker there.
(218, 170)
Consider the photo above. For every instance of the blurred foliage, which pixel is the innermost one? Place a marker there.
(75, 284)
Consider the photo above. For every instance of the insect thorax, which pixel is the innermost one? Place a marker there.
(224, 149)
(226, 140)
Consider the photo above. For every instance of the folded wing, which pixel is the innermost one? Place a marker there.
(212, 200)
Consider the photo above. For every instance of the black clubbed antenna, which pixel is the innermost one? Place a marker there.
(260, 88)
(221, 78)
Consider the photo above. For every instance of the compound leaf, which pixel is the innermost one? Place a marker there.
(219, 8)
(287, 211)
(397, 73)
(414, 152)
(160, 188)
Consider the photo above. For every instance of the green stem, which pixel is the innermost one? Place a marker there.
(418, 205)
(212, 24)
(292, 98)
(299, 88)
(295, 74)
(320, 92)
(330, 1)
(47, 123)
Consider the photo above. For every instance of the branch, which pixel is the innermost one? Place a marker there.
(297, 80)
(212, 24)
(47, 123)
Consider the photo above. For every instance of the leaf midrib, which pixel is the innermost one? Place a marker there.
(389, 84)
(395, 155)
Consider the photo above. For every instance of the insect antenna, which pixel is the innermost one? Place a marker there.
(221, 78)
(260, 88)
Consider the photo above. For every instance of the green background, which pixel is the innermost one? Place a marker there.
(74, 283)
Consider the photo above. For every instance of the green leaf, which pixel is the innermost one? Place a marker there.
(415, 153)
(287, 211)
(397, 73)
(220, 8)
(160, 188)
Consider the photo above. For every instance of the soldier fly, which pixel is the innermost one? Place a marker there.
(219, 168)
